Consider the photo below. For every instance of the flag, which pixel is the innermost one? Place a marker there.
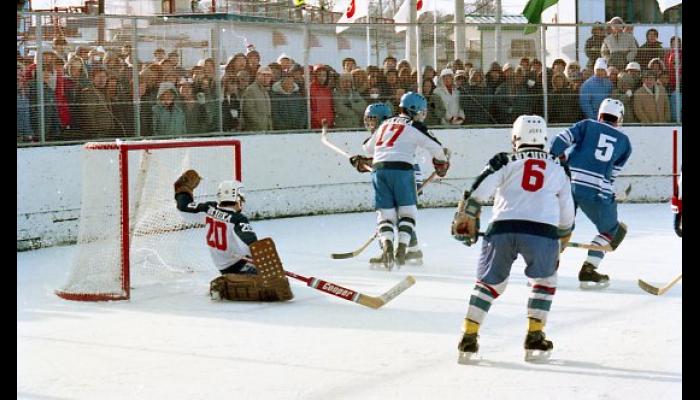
(402, 16)
(666, 4)
(355, 10)
(533, 12)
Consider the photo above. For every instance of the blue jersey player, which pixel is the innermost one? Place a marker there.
(599, 151)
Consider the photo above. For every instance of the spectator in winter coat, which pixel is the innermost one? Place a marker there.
(436, 109)
(360, 81)
(449, 94)
(230, 104)
(671, 62)
(476, 100)
(494, 77)
(595, 89)
(651, 103)
(511, 98)
(168, 117)
(594, 44)
(656, 66)
(288, 105)
(95, 116)
(198, 119)
(562, 102)
(619, 48)
(321, 98)
(51, 120)
(256, 108)
(348, 105)
(24, 126)
(651, 49)
(625, 92)
(612, 75)
(635, 71)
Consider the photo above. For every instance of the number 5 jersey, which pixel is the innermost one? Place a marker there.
(599, 152)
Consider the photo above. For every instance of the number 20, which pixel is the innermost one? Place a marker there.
(216, 235)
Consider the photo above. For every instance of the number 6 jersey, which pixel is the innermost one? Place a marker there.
(599, 153)
(531, 187)
(228, 233)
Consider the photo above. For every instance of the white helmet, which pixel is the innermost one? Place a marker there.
(612, 107)
(529, 130)
(230, 191)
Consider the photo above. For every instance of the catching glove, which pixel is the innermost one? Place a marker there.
(465, 225)
(187, 182)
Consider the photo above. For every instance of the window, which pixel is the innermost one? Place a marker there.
(522, 48)
(634, 11)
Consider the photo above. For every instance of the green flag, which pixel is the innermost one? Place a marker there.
(533, 12)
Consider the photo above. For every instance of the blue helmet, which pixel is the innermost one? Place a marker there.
(380, 111)
(414, 103)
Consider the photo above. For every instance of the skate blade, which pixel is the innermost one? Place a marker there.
(593, 285)
(537, 355)
(465, 358)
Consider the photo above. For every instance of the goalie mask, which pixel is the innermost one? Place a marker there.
(529, 130)
(230, 192)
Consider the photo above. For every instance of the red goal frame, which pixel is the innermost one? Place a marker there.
(124, 147)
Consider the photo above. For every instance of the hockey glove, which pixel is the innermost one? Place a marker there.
(362, 164)
(465, 225)
(441, 167)
(187, 182)
(564, 237)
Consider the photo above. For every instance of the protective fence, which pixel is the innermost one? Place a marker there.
(223, 73)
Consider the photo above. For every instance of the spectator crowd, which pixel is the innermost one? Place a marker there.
(88, 91)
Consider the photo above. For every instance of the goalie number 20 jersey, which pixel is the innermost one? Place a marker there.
(228, 233)
(532, 186)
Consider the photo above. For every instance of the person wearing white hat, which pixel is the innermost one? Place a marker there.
(635, 72)
(285, 61)
(449, 94)
(595, 89)
(256, 108)
(619, 47)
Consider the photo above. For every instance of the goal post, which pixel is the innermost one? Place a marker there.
(129, 223)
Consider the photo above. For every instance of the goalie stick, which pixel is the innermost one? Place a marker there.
(351, 295)
(267, 261)
(656, 290)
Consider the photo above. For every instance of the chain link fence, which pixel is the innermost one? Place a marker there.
(82, 77)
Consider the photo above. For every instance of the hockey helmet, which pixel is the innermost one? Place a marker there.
(414, 105)
(612, 107)
(230, 191)
(379, 111)
(529, 130)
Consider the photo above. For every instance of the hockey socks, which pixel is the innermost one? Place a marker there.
(540, 301)
(480, 301)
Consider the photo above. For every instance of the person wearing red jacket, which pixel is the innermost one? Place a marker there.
(321, 98)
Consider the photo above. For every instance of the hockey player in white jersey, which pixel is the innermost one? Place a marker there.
(599, 151)
(375, 114)
(533, 214)
(228, 237)
(392, 149)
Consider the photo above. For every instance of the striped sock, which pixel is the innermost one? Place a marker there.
(540, 301)
(480, 301)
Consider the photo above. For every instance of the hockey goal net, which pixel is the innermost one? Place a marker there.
(129, 224)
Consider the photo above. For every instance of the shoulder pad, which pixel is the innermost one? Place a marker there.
(498, 161)
(420, 126)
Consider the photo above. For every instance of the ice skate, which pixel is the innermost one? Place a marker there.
(414, 257)
(384, 260)
(467, 347)
(401, 254)
(537, 348)
(590, 279)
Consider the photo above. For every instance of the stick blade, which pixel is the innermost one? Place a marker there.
(648, 288)
(378, 301)
(342, 256)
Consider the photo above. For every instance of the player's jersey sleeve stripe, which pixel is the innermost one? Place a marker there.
(590, 185)
(587, 172)
(567, 137)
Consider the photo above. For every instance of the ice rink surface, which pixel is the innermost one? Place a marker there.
(170, 341)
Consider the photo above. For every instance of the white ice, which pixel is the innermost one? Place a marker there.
(173, 342)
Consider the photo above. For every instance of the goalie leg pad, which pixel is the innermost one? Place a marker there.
(239, 287)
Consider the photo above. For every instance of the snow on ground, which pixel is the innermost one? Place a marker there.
(171, 341)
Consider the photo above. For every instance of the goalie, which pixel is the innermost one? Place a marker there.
(230, 237)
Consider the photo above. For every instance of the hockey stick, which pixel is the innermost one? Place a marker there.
(589, 246)
(354, 253)
(658, 291)
(357, 297)
(324, 140)
(623, 196)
